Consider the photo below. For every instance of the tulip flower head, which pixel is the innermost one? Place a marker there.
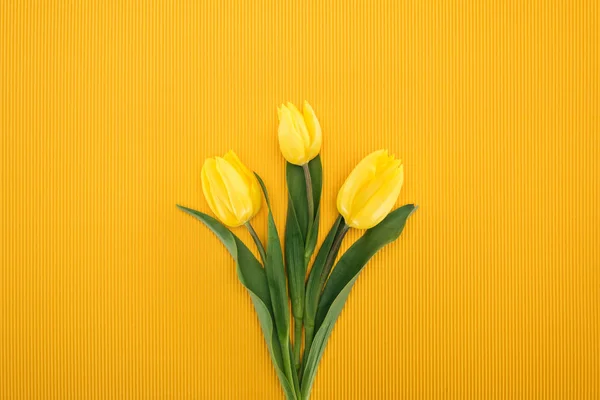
(231, 189)
(371, 190)
(299, 133)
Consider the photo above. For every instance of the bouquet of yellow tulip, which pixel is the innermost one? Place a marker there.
(365, 201)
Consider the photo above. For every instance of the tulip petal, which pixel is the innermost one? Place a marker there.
(290, 141)
(299, 124)
(235, 162)
(384, 172)
(256, 197)
(314, 130)
(237, 190)
(381, 202)
(249, 178)
(216, 193)
(361, 174)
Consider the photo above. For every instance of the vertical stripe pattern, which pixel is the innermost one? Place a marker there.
(108, 109)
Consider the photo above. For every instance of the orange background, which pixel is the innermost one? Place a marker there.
(109, 108)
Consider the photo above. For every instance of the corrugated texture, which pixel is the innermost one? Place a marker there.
(108, 109)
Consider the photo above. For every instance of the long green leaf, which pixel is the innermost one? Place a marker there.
(316, 172)
(300, 238)
(313, 285)
(254, 279)
(300, 234)
(311, 239)
(294, 260)
(341, 281)
(297, 194)
(296, 271)
(275, 272)
(294, 177)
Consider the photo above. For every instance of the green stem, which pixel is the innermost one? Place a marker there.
(309, 323)
(335, 248)
(259, 245)
(309, 195)
(297, 342)
(309, 330)
(287, 365)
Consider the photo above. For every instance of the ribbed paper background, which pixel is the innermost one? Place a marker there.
(108, 109)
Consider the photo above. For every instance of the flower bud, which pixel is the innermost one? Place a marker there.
(231, 189)
(371, 190)
(299, 134)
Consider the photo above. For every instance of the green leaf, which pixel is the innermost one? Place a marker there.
(297, 190)
(316, 173)
(300, 234)
(294, 258)
(294, 177)
(254, 279)
(341, 281)
(311, 239)
(300, 238)
(313, 285)
(275, 271)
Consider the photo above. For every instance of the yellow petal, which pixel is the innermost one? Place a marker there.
(235, 162)
(385, 170)
(360, 176)
(299, 124)
(290, 141)
(314, 131)
(255, 197)
(381, 202)
(216, 193)
(250, 179)
(371, 190)
(237, 189)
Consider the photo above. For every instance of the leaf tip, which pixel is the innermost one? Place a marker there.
(415, 208)
(264, 189)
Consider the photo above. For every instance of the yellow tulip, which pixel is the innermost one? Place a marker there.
(231, 189)
(299, 134)
(371, 190)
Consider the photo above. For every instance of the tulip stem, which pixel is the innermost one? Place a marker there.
(297, 342)
(335, 248)
(309, 320)
(309, 195)
(259, 245)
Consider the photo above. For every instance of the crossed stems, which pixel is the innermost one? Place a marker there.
(343, 229)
